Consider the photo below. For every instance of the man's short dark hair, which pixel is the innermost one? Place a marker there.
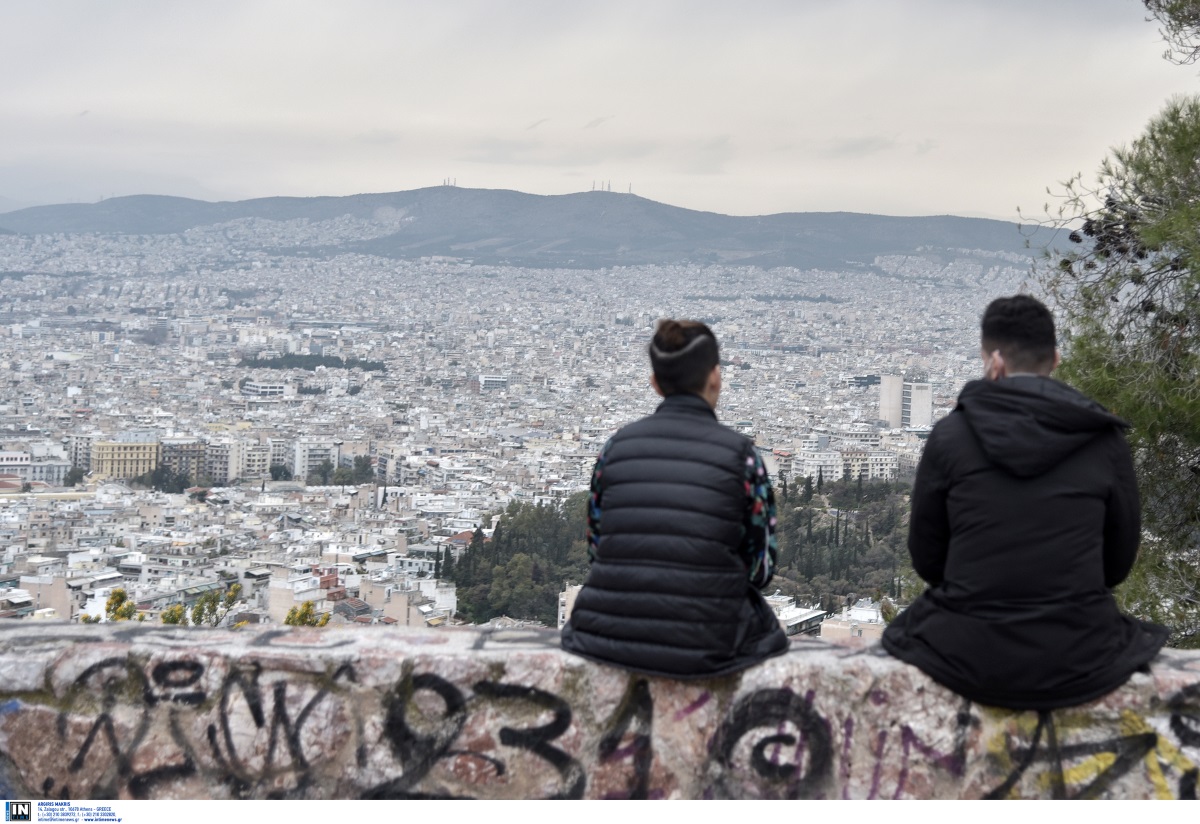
(1022, 328)
(683, 354)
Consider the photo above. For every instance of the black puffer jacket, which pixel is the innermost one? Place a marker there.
(1024, 516)
(668, 593)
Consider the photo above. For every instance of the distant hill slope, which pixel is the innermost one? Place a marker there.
(9, 205)
(586, 229)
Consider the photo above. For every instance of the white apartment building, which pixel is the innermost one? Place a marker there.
(281, 451)
(916, 405)
(16, 463)
(79, 449)
(826, 465)
(223, 460)
(891, 391)
(905, 403)
(309, 453)
(268, 389)
(859, 438)
(882, 466)
(874, 465)
(256, 461)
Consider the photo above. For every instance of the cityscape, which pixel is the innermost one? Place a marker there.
(357, 362)
(235, 403)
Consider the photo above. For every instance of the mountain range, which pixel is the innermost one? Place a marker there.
(581, 230)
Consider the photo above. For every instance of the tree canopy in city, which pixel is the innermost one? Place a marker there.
(165, 479)
(117, 607)
(535, 550)
(306, 615)
(311, 362)
(848, 540)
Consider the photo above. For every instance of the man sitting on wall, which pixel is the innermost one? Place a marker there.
(680, 531)
(1025, 515)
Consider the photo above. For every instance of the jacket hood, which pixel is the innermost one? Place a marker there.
(1028, 424)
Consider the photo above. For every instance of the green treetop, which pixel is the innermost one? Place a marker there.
(1130, 296)
(305, 615)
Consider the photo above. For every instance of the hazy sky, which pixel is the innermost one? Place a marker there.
(899, 107)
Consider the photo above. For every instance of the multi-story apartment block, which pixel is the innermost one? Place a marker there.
(916, 405)
(268, 389)
(223, 460)
(855, 464)
(79, 449)
(862, 437)
(389, 457)
(15, 463)
(310, 453)
(256, 461)
(185, 455)
(824, 465)
(281, 452)
(905, 403)
(874, 465)
(49, 466)
(883, 466)
(132, 454)
(891, 390)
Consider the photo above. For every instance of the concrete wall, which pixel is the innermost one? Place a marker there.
(130, 711)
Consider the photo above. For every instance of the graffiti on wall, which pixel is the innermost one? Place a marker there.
(189, 725)
(1040, 761)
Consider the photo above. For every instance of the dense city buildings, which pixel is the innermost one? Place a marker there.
(329, 428)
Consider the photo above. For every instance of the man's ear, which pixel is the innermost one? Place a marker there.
(657, 388)
(997, 368)
(1057, 360)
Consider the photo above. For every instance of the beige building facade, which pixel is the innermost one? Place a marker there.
(119, 460)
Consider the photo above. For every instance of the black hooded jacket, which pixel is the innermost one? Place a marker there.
(1025, 514)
